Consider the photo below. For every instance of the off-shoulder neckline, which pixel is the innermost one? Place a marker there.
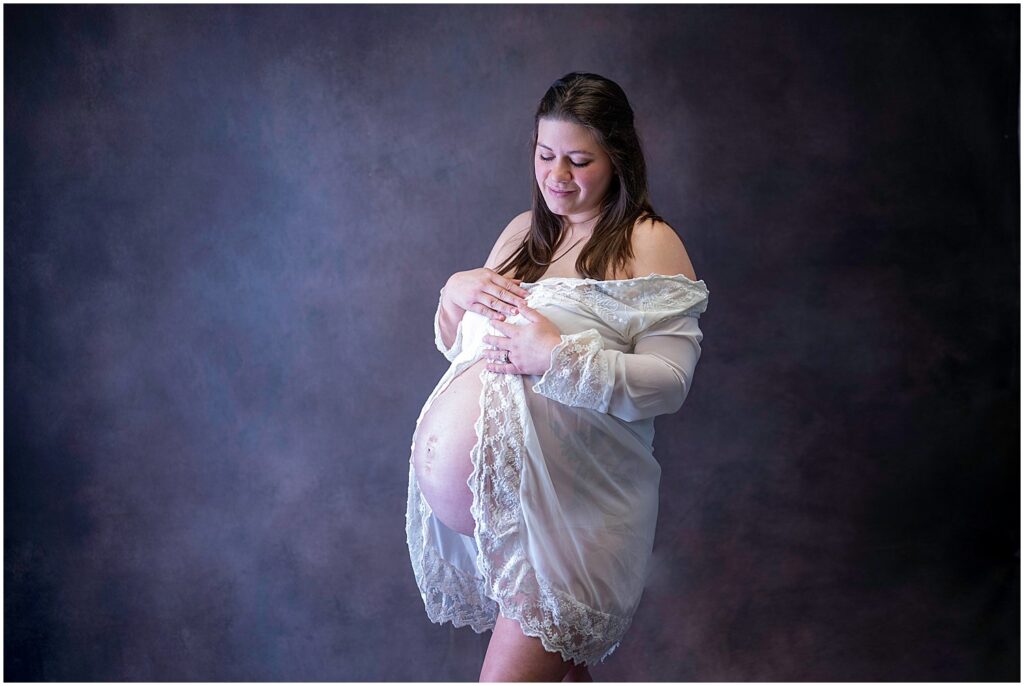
(650, 277)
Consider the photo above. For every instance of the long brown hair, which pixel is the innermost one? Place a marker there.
(599, 105)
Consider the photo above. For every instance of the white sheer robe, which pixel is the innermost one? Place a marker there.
(564, 481)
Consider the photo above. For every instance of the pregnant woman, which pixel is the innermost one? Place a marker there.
(533, 488)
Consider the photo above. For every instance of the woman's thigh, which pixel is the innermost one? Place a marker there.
(513, 656)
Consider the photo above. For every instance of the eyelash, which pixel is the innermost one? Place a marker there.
(548, 159)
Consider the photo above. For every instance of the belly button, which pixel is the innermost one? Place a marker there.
(429, 457)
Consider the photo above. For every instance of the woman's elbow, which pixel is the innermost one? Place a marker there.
(677, 395)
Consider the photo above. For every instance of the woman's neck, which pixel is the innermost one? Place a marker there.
(579, 228)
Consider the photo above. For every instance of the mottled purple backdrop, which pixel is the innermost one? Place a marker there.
(225, 232)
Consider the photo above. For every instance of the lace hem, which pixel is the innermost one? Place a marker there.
(509, 583)
(449, 594)
(504, 579)
(578, 632)
(579, 375)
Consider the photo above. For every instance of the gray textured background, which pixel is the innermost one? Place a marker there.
(225, 231)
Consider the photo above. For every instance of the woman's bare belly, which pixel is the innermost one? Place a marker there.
(442, 446)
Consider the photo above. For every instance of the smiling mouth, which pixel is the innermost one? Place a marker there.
(555, 190)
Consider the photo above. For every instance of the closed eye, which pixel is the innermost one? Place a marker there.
(548, 159)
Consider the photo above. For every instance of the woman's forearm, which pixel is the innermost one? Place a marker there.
(449, 316)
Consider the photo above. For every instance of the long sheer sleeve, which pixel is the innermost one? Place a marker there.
(452, 352)
(653, 380)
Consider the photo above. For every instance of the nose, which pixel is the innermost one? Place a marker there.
(562, 173)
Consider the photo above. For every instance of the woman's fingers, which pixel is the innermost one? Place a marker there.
(519, 290)
(496, 361)
(499, 299)
(511, 286)
(496, 341)
(508, 291)
(486, 311)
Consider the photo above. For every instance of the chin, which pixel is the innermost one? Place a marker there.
(556, 204)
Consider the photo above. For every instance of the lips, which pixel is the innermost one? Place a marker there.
(558, 192)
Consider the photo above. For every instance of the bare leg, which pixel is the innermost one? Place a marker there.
(578, 673)
(513, 656)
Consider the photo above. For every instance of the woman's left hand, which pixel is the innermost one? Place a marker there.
(529, 345)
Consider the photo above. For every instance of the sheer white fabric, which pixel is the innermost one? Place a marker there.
(564, 481)
(449, 353)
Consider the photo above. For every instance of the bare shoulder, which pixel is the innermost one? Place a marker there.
(509, 239)
(657, 249)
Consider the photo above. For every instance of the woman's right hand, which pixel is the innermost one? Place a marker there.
(485, 292)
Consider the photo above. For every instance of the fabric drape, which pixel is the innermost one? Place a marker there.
(564, 480)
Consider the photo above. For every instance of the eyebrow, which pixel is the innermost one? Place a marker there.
(571, 152)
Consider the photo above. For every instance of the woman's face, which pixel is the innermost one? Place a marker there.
(567, 158)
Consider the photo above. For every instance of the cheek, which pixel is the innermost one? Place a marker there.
(596, 180)
(586, 180)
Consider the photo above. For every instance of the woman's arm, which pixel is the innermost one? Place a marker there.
(448, 316)
(653, 380)
(656, 377)
(448, 327)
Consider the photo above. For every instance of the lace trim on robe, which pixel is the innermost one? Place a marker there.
(580, 633)
(578, 375)
(451, 595)
(656, 296)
